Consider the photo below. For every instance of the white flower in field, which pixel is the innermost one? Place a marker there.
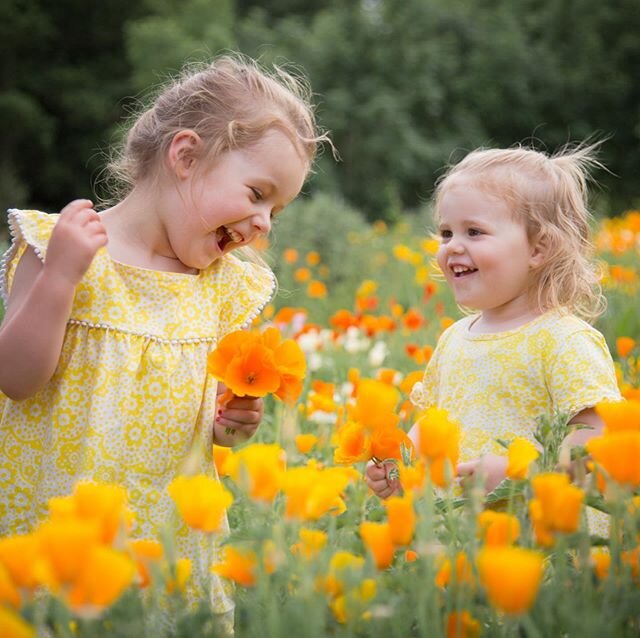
(355, 341)
(315, 361)
(310, 341)
(321, 417)
(378, 354)
(346, 390)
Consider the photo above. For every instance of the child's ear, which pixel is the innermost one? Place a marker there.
(539, 251)
(183, 152)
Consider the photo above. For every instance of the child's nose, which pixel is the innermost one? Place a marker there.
(455, 245)
(262, 220)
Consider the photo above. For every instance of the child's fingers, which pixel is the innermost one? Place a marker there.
(376, 472)
(230, 416)
(466, 469)
(77, 204)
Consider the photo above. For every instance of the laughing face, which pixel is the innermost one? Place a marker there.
(484, 252)
(234, 201)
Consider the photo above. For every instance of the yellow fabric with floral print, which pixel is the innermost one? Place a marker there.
(497, 385)
(130, 401)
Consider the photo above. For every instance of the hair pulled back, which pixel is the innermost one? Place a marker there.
(548, 194)
(230, 103)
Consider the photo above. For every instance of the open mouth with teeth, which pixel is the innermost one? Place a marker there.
(226, 236)
(462, 271)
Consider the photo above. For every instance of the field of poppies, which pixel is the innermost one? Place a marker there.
(312, 552)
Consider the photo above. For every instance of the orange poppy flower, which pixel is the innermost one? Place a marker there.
(317, 289)
(387, 443)
(100, 502)
(498, 528)
(305, 442)
(145, 552)
(19, 556)
(463, 575)
(624, 346)
(402, 518)
(413, 477)
(556, 507)
(105, 576)
(238, 565)
(220, 457)
(438, 444)
(461, 624)
(313, 258)
(343, 319)
(65, 546)
(8, 591)
(290, 255)
(251, 363)
(619, 454)
(302, 274)
(413, 319)
(377, 538)
(511, 577)
(619, 415)
(253, 373)
(354, 445)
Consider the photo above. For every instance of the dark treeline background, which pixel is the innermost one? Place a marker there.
(405, 86)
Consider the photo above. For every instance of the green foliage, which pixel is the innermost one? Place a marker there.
(175, 32)
(404, 85)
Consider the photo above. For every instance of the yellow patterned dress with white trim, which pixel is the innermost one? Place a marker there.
(131, 398)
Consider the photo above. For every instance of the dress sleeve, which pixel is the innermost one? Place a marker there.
(582, 373)
(27, 228)
(250, 288)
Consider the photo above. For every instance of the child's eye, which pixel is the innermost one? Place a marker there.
(445, 234)
(257, 193)
(474, 232)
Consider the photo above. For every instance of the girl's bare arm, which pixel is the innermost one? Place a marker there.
(40, 301)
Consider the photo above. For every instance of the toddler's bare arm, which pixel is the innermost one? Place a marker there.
(40, 301)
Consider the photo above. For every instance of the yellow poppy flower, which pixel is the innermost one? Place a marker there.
(258, 468)
(520, 455)
(201, 501)
(13, 626)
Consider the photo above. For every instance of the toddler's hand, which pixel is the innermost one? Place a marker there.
(377, 478)
(241, 416)
(77, 236)
(491, 466)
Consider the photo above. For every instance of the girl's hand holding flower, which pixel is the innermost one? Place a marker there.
(237, 418)
(379, 480)
(249, 365)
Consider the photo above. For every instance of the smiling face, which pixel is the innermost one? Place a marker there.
(485, 254)
(234, 201)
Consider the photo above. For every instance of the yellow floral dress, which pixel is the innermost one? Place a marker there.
(497, 385)
(130, 401)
